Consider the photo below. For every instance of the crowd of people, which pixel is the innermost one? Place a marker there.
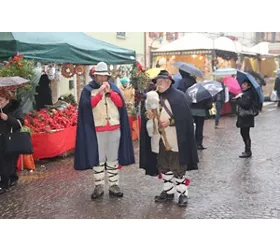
(169, 140)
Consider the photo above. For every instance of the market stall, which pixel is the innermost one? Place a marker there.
(53, 130)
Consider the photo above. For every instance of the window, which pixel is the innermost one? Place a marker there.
(121, 35)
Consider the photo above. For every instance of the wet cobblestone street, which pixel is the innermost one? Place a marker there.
(225, 186)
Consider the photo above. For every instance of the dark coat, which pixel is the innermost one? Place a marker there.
(247, 101)
(14, 112)
(185, 135)
(86, 150)
(186, 81)
(277, 85)
(44, 93)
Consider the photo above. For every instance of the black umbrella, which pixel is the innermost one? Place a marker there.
(203, 90)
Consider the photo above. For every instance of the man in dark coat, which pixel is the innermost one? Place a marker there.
(176, 120)
(186, 81)
(103, 141)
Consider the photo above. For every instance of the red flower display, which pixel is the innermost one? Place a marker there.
(47, 121)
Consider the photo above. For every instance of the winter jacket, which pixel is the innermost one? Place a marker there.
(186, 81)
(246, 102)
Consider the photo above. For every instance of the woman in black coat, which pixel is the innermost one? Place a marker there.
(10, 112)
(248, 106)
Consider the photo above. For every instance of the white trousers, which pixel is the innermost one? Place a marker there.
(108, 149)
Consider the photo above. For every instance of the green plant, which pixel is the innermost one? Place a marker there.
(138, 78)
(19, 67)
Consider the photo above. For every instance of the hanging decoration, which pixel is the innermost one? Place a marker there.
(68, 70)
(79, 69)
(50, 71)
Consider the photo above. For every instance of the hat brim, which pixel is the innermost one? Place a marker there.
(102, 73)
(167, 78)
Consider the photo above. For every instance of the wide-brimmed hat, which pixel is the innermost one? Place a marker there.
(163, 74)
(102, 69)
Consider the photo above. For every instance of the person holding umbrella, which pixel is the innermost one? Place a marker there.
(200, 109)
(248, 105)
(10, 114)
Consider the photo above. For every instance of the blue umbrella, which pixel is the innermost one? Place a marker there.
(177, 77)
(241, 76)
(189, 68)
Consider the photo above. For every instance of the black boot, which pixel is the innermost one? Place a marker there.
(4, 187)
(200, 147)
(115, 191)
(248, 152)
(97, 192)
(183, 200)
(164, 196)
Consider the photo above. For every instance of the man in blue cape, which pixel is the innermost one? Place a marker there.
(103, 140)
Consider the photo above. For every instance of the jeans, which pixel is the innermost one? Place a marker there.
(219, 107)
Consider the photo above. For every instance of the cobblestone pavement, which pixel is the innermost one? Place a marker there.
(224, 186)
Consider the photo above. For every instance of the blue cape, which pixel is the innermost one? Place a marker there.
(86, 150)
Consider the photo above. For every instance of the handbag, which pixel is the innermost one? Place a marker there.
(17, 142)
(247, 112)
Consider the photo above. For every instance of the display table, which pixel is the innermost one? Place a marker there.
(48, 145)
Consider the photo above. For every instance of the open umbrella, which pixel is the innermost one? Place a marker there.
(177, 77)
(233, 85)
(241, 76)
(189, 68)
(153, 72)
(225, 72)
(12, 81)
(203, 90)
(258, 76)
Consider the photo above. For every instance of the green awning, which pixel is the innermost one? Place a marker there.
(62, 47)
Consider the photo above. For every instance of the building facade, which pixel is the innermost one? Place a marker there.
(127, 40)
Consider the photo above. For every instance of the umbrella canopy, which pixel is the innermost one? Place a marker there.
(152, 73)
(62, 47)
(225, 72)
(12, 81)
(241, 76)
(177, 77)
(203, 90)
(189, 68)
(233, 85)
(259, 77)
